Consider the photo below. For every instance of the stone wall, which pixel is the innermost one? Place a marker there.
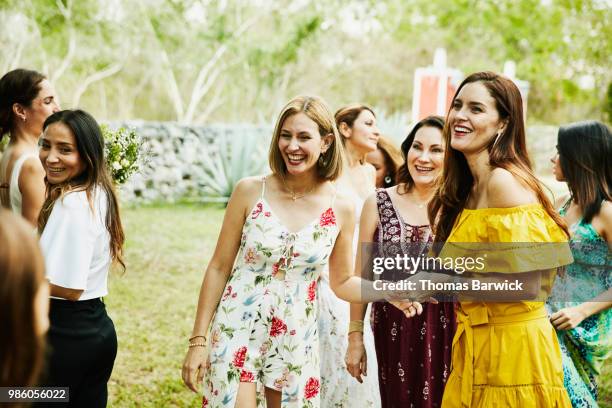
(176, 156)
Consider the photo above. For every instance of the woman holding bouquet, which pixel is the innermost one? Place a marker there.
(81, 236)
(259, 294)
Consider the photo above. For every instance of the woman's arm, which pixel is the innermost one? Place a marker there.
(367, 227)
(217, 274)
(570, 317)
(356, 358)
(32, 188)
(66, 293)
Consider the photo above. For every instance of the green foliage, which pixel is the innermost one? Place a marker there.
(608, 102)
(236, 158)
(240, 61)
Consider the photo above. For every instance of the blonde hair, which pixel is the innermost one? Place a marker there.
(330, 167)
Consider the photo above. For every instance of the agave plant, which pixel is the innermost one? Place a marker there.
(241, 152)
(393, 126)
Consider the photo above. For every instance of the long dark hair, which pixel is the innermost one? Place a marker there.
(403, 175)
(17, 86)
(90, 145)
(508, 151)
(585, 154)
(21, 277)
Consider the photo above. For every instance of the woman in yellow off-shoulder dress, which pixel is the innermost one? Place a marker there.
(505, 354)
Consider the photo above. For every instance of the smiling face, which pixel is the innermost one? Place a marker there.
(44, 105)
(301, 144)
(364, 134)
(59, 154)
(474, 119)
(426, 155)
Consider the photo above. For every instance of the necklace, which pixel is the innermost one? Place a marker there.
(419, 204)
(294, 195)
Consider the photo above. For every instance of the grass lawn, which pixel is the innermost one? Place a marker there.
(153, 304)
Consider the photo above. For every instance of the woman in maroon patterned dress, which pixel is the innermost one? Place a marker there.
(414, 353)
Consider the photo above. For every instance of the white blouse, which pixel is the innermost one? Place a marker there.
(76, 244)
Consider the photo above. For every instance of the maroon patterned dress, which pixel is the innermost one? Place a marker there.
(414, 355)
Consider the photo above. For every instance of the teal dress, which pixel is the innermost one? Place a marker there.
(584, 348)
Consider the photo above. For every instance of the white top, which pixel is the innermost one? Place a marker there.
(76, 244)
(14, 192)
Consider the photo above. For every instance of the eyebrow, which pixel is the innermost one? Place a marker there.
(299, 134)
(472, 103)
(58, 143)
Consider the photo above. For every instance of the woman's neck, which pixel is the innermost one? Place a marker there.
(355, 156)
(423, 192)
(480, 168)
(23, 137)
(301, 182)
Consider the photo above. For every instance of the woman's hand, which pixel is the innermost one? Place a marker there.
(356, 358)
(567, 318)
(193, 367)
(410, 309)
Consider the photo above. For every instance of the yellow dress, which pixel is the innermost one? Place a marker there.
(507, 354)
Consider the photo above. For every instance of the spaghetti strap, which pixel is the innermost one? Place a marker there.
(263, 187)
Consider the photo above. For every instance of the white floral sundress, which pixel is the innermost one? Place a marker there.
(265, 328)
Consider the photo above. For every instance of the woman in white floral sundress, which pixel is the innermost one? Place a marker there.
(279, 232)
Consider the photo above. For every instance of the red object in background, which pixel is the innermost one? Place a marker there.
(434, 88)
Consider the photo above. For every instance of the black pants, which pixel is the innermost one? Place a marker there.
(83, 346)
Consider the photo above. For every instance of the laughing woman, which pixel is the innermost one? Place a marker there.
(582, 296)
(81, 236)
(413, 353)
(504, 353)
(259, 294)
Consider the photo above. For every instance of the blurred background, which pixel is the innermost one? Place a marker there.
(202, 81)
(200, 61)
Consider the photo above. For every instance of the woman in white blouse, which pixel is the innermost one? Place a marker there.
(81, 236)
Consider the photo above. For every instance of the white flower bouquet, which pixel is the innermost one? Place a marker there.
(123, 148)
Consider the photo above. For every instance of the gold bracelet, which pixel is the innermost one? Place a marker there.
(355, 326)
(195, 337)
(197, 345)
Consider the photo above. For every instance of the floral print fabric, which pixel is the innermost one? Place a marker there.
(585, 347)
(265, 327)
(414, 355)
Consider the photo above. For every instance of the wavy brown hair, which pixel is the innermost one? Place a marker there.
(90, 145)
(508, 151)
(21, 276)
